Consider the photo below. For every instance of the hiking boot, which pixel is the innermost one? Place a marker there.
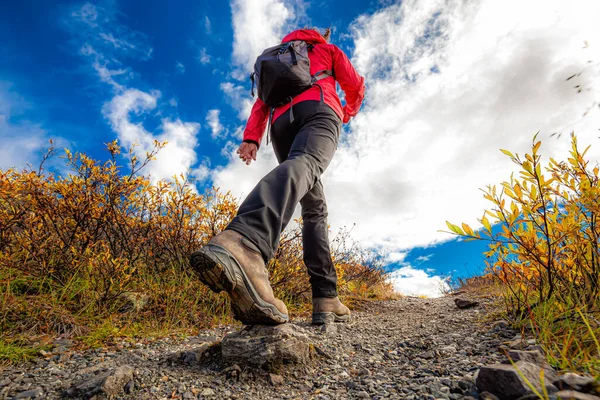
(232, 263)
(329, 309)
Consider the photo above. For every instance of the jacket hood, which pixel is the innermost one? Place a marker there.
(308, 35)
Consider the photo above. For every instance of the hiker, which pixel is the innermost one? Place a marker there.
(304, 131)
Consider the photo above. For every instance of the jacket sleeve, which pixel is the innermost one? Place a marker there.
(257, 122)
(350, 81)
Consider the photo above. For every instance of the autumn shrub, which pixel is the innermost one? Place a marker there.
(101, 251)
(544, 250)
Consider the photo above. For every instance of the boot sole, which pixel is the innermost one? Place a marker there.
(220, 271)
(326, 317)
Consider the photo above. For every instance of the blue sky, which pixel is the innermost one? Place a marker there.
(448, 84)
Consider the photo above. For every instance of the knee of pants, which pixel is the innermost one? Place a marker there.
(313, 209)
(308, 160)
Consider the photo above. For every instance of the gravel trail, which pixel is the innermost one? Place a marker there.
(408, 348)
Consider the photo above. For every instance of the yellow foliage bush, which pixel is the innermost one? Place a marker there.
(75, 248)
(545, 251)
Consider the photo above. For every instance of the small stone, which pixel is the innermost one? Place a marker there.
(464, 304)
(111, 383)
(275, 379)
(189, 396)
(207, 392)
(500, 324)
(504, 381)
(30, 394)
(363, 395)
(5, 382)
(329, 328)
(534, 357)
(487, 396)
(129, 387)
(569, 380)
(572, 394)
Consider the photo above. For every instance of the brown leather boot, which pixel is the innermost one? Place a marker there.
(329, 309)
(233, 263)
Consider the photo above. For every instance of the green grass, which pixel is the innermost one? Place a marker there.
(568, 333)
(18, 352)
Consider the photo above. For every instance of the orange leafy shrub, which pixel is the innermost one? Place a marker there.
(546, 253)
(103, 245)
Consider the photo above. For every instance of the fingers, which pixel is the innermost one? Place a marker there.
(247, 152)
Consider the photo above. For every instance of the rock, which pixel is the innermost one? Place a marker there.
(534, 357)
(110, 383)
(504, 381)
(463, 304)
(500, 324)
(232, 372)
(267, 346)
(193, 356)
(189, 396)
(128, 388)
(572, 394)
(570, 380)
(329, 328)
(5, 382)
(487, 396)
(207, 392)
(30, 394)
(275, 379)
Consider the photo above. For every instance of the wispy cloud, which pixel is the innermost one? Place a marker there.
(99, 26)
(203, 57)
(216, 128)
(107, 44)
(207, 25)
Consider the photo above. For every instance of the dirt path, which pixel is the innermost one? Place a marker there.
(407, 349)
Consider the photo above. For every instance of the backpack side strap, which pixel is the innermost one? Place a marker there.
(322, 74)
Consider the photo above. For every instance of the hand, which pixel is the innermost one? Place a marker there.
(247, 152)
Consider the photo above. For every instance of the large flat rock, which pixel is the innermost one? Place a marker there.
(268, 347)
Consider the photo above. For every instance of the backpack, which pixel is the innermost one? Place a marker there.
(282, 72)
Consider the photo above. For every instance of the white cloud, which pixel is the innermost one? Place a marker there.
(415, 282)
(448, 84)
(212, 118)
(395, 257)
(207, 25)
(177, 157)
(180, 67)
(203, 56)
(238, 97)
(244, 176)
(257, 24)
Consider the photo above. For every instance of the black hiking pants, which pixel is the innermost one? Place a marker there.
(304, 149)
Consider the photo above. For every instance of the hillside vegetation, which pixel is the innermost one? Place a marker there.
(101, 252)
(544, 253)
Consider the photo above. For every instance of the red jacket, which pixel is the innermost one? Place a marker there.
(323, 56)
